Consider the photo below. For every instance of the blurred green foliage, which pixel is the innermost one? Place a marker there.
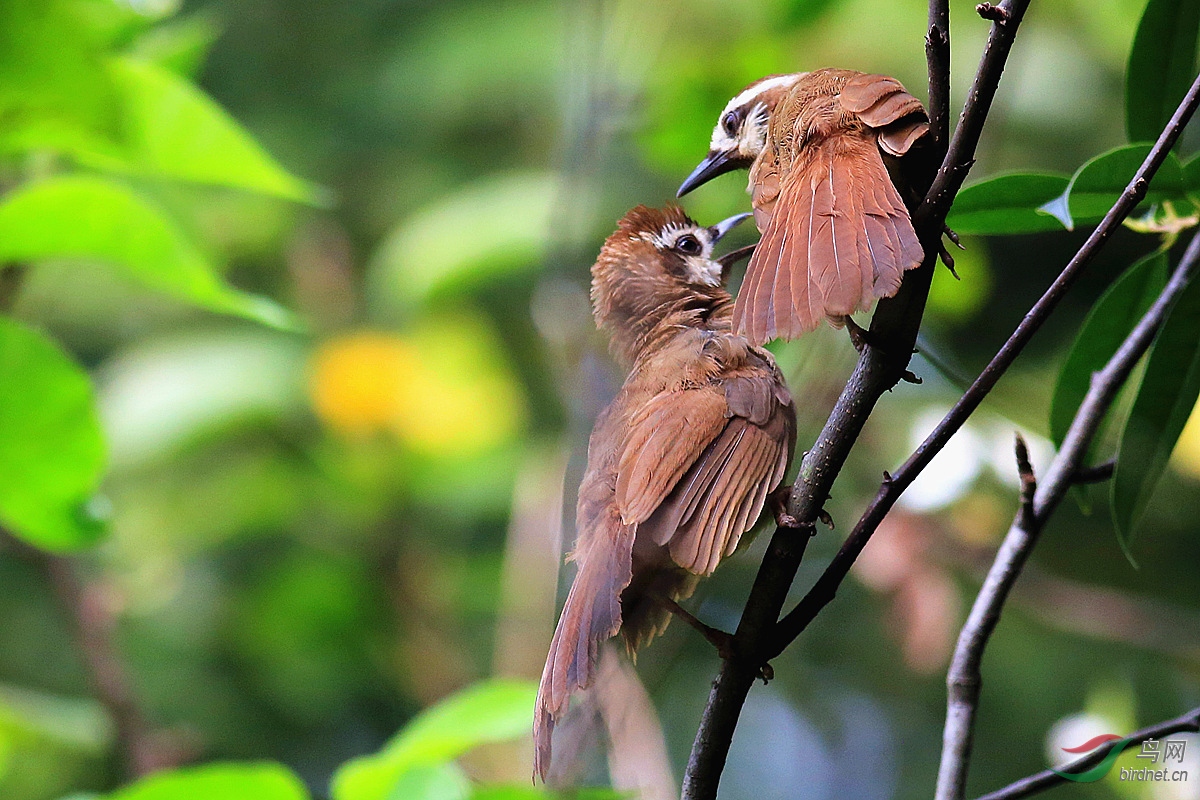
(331, 504)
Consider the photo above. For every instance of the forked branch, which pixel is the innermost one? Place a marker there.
(964, 679)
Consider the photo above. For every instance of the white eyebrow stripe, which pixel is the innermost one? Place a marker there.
(754, 91)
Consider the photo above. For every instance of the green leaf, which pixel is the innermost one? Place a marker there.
(1007, 204)
(492, 711)
(51, 63)
(180, 45)
(1191, 176)
(1162, 65)
(174, 130)
(51, 447)
(1107, 324)
(1163, 404)
(431, 782)
(496, 226)
(541, 793)
(89, 217)
(1096, 185)
(253, 781)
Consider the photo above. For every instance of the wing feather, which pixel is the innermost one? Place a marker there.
(666, 437)
(880, 100)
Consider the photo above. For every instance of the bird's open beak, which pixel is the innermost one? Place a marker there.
(716, 163)
(726, 225)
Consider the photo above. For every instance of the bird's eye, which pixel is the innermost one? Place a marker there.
(730, 123)
(688, 245)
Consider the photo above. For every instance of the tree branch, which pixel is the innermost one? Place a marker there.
(937, 59)
(91, 624)
(824, 590)
(881, 365)
(964, 679)
(1039, 782)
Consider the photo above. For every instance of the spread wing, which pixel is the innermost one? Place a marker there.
(699, 463)
(838, 236)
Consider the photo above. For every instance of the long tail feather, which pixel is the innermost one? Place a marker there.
(591, 615)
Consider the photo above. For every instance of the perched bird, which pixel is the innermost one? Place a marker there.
(680, 463)
(835, 230)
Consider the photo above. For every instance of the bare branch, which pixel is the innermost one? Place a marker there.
(937, 59)
(890, 490)
(1188, 723)
(964, 679)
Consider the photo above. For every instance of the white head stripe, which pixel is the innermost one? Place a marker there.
(754, 91)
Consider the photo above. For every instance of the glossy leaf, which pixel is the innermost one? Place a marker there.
(174, 130)
(89, 217)
(254, 781)
(1164, 401)
(1109, 322)
(1007, 204)
(1162, 65)
(1096, 185)
(51, 446)
(492, 711)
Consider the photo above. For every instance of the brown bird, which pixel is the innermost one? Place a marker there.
(680, 463)
(835, 230)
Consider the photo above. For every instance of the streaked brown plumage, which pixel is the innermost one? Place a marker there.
(680, 463)
(836, 234)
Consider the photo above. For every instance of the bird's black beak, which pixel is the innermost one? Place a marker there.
(716, 163)
(726, 225)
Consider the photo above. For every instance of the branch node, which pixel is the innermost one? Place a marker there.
(995, 13)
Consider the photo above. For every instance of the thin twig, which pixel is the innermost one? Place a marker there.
(1039, 782)
(92, 627)
(964, 678)
(937, 59)
(882, 364)
(824, 590)
(1097, 473)
(1028, 480)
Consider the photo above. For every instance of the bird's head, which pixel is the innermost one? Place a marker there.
(741, 131)
(654, 261)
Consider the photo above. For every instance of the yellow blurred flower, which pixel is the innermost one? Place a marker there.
(442, 389)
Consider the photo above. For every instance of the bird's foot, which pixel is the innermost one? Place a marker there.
(860, 337)
(823, 515)
(778, 501)
(944, 252)
(716, 637)
(948, 260)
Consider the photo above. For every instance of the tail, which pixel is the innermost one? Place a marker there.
(591, 615)
(839, 236)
